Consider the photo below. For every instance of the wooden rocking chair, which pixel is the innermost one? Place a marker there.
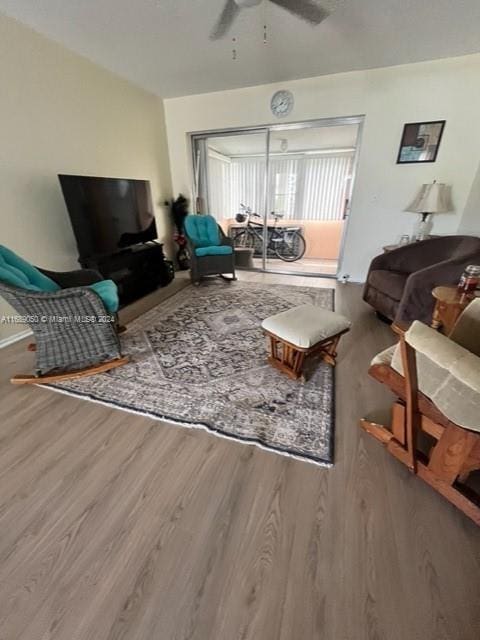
(437, 382)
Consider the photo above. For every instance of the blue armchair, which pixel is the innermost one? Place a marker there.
(211, 252)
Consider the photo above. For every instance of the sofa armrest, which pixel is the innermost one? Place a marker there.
(381, 262)
(411, 257)
(417, 302)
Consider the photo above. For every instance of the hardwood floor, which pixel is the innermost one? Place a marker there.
(305, 265)
(115, 526)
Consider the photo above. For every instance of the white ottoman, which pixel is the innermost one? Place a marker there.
(300, 332)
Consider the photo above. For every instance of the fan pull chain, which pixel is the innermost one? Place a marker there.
(265, 20)
(234, 50)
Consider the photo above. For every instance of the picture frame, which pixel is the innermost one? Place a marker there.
(420, 142)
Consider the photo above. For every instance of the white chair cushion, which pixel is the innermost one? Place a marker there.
(466, 332)
(447, 373)
(384, 357)
(306, 325)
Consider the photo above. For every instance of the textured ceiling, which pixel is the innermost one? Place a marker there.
(163, 45)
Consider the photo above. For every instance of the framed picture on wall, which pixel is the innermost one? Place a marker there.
(420, 141)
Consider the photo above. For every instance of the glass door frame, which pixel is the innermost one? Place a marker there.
(196, 136)
(199, 155)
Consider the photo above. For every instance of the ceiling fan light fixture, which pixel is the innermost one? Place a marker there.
(307, 10)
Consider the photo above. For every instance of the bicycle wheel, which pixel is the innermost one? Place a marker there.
(290, 246)
(244, 240)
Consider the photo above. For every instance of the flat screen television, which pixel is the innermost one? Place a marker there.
(108, 214)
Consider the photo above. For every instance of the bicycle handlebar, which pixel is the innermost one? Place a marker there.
(248, 211)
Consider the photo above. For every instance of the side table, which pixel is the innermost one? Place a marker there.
(449, 304)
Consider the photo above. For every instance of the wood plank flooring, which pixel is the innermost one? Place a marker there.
(305, 265)
(115, 526)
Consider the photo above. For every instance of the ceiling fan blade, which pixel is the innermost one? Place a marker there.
(225, 20)
(305, 9)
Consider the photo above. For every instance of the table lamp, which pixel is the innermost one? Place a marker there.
(434, 197)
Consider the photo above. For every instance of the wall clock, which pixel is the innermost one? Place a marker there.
(281, 103)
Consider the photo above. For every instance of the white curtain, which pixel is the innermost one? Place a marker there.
(234, 182)
(285, 188)
(300, 187)
(219, 190)
(325, 187)
(248, 184)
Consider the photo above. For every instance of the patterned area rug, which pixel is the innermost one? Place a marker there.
(199, 359)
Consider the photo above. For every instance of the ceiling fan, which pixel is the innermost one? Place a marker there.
(305, 9)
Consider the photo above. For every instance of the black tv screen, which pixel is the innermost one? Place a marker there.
(108, 214)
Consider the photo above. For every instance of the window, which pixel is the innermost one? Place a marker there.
(301, 187)
(285, 193)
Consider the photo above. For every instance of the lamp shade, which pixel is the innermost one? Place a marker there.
(432, 198)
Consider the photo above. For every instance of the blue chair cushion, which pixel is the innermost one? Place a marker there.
(17, 272)
(108, 292)
(202, 230)
(220, 250)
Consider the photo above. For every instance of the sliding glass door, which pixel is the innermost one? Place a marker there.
(231, 184)
(281, 192)
(310, 179)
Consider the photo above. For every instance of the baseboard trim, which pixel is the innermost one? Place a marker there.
(15, 338)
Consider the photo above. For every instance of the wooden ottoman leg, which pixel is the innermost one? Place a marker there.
(297, 363)
(330, 351)
(273, 347)
(289, 360)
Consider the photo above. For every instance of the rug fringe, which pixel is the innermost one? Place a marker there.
(189, 425)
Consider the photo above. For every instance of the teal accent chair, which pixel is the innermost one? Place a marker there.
(69, 313)
(17, 272)
(211, 252)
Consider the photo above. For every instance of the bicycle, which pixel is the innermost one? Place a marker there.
(286, 243)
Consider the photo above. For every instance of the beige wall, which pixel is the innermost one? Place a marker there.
(443, 89)
(322, 237)
(470, 223)
(59, 113)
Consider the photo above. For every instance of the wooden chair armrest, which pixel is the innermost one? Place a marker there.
(400, 328)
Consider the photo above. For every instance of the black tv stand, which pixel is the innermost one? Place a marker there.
(136, 270)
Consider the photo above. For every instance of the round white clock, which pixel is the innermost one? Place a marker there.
(281, 103)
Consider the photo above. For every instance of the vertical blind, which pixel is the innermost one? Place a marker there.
(235, 182)
(325, 187)
(300, 187)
